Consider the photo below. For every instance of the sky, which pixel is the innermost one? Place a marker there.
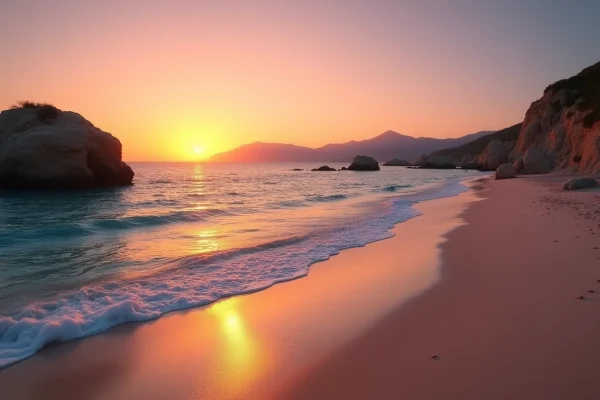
(182, 80)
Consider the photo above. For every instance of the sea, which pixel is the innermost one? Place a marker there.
(75, 263)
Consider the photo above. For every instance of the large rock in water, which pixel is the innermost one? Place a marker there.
(364, 163)
(581, 183)
(324, 168)
(44, 147)
(506, 171)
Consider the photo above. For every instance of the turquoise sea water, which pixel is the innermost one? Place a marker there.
(76, 263)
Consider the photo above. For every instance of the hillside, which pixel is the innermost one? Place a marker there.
(384, 147)
(470, 154)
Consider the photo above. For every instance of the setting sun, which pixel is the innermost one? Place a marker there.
(198, 150)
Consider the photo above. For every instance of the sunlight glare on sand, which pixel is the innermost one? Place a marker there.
(241, 359)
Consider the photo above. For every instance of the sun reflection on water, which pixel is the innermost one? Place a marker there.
(206, 242)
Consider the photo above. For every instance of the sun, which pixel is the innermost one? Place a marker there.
(198, 150)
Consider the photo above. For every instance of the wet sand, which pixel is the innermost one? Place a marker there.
(505, 322)
(495, 300)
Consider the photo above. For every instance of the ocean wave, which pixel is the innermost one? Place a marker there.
(194, 280)
(393, 188)
(89, 228)
(333, 197)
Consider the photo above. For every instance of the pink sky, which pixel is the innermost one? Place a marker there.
(169, 78)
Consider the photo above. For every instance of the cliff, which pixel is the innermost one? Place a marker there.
(561, 130)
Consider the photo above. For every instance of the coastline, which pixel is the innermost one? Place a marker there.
(248, 345)
(505, 322)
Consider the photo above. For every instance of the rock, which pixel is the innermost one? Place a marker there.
(44, 147)
(396, 162)
(518, 166)
(435, 357)
(324, 168)
(343, 169)
(535, 161)
(364, 163)
(581, 183)
(297, 169)
(580, 298)
(505, 171)
(495, 153)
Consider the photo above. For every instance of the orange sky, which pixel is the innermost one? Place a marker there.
(172, 79)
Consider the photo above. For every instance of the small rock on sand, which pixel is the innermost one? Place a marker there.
(580, 183)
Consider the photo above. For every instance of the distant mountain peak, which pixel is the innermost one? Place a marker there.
(390, 134)
(386, 146)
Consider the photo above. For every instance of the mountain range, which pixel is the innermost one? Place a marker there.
(383, 147)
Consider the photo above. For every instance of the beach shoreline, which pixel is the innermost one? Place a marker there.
(288, 326)
(366, 322)
(505, 322)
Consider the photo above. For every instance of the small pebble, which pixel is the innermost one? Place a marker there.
(591, 291)
(580, 298)
(435, 357)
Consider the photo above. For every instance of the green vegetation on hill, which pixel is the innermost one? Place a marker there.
(478, 145)
(583, 92)
(45, 111)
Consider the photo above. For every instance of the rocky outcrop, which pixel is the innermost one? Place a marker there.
(495, 153)
(505, 171)
(44, 147)
(581, 183)
(396, 162)
(324, 168)
(561, 130)
(364, 163)
(536, 161)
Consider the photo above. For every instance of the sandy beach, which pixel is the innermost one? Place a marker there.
(490, 287)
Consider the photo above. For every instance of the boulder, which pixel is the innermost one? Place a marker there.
(396, 162)
(518, 166)
(324, 168)
(505, 171)
(581, 183)
(44, 147)
(535, 161)
(364, 163)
